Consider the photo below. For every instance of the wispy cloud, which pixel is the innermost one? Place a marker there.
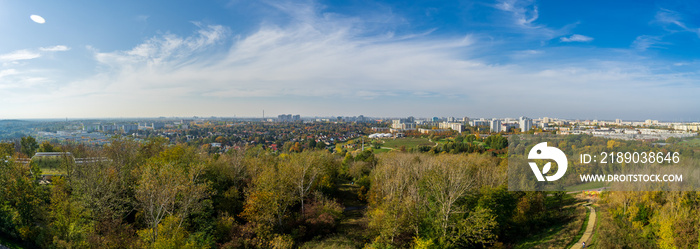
(644, 42)
(673, 21)
(523, 16)
(7, 72)
(142, 18)
(28, 54)
(57, 48)
(17, 79)
(301, 60)
(308, 60)
(18, 55)
(576, 38)
(166, 50)
(524, 12)
(320, 58)
(15, 83)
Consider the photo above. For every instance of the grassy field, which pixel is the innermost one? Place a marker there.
(50, 166)
(377, 151)
(479, 143)
(408, 142)
(52, 171)
(352, 230)
(334, 241)
(560, 235)
(692, 142)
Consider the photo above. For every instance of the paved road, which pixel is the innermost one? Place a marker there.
(589, 230)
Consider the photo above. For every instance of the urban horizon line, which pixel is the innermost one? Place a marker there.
(345, 116)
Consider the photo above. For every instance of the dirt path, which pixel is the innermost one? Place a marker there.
(353, 225)
(589, 230)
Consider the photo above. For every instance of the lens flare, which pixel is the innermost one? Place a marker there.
(37, 19)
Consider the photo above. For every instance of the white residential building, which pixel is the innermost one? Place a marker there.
(525, 124)
(495, 125)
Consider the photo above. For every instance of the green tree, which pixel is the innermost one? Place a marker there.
(227, 176)
(312, 144)
(7, 150)
(320, 145)
(23, 202)
(28, 146)
(70, 223)
(47, 147)
(496, 142)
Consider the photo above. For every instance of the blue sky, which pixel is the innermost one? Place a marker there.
(569, 59)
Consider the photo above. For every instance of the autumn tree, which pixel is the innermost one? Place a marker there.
(415, 195)
(447, 180)
(23, 202)
(170, 186)
(7, 150)
(303, 171)
(270, 197)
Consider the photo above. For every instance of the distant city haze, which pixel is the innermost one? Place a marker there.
(493, 59)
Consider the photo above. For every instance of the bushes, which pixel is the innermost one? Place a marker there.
(649, 220)
(321, 216)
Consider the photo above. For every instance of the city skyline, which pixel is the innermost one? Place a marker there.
(352, 117)
(587, 60)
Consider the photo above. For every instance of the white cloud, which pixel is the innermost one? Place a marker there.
(298, 61)
(644, 42)
(166, 49)
(7, 72)
(12, 80)
(28, 54)
(576, 38)
(526, 54)
(303, 61)
(18, 55)
(57, 48)
(323, 59)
